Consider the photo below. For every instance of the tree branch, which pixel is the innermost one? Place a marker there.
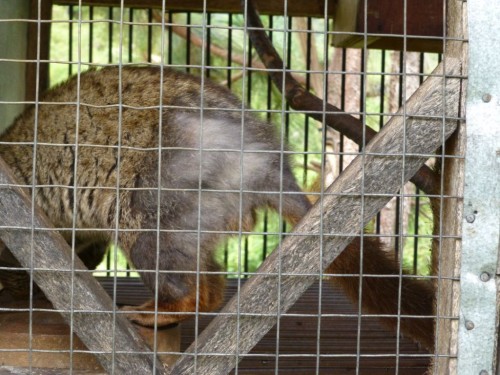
(302, 100)
(182, 31)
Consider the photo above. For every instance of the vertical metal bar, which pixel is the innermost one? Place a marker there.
(159, 171)
(246, 251)
(204, 46)
(188, 41)
(342, 106)
(110, 60)
(150, 34)
(169, 39)
(382, 87)
(229, 84)
(305, 148)
(249, 74)
(121, 17)
(289, 62)
(287, 106)
(417, 191)
(70, 37)
(75, 181)
(110, 35)
(481, 223)
(33, 201)
(130, 35)
(208, 43)
(229, 49)
(249, 101)
(401, 201)
(285, 51)
(247, 51)
(381, 118)
(397, 206)
(362, 116)
(269, 103)
(91, 34)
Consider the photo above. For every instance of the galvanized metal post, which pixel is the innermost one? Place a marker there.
(479, 281)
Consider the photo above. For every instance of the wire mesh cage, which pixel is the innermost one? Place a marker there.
(238, 185)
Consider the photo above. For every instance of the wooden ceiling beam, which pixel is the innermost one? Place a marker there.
(310, 8)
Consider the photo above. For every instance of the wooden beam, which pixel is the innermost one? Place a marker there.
(413, 24)
(447, 259)
(66, 282)
(349, 203)
(310, 8)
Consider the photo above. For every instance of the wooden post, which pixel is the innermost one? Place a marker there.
(385, 23)
(348, 204)
(447, 257)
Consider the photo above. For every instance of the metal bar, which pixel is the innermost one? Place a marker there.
(481, 222)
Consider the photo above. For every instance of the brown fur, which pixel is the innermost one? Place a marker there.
(380, 295)
(192, 222)
(210, 295)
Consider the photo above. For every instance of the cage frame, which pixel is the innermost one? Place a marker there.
(453, 50)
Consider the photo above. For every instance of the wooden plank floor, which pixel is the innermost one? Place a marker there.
(298, 338)
(298, 343)
(302, 337)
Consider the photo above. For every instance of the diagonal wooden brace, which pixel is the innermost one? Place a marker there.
(364, 188)
(68, 284)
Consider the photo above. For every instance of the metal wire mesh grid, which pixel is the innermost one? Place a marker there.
(313, 147)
